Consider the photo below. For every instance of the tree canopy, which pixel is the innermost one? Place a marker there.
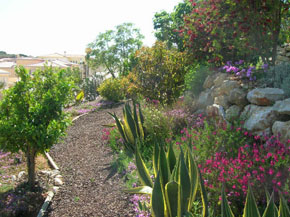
(113, 49)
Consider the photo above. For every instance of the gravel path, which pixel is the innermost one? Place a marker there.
(84, 161)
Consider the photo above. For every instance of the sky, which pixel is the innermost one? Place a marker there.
(40, 27)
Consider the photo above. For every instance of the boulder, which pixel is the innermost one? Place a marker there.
(233, 113)
(225, 88)
(215, 110)
(223, 101)
(265, 96)
(282, 107)
(238, 97)
(219, 79)
(258, 118)
(283, 130)
(208, 83)
(205, 98)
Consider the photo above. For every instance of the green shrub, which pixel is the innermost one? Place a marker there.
(90, 85)
(111, 89)
(279, 77)
(195, 78)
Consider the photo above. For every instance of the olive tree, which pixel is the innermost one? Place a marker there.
(31, 113)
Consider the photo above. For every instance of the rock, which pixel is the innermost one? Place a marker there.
(223, 101)
(233, 113)
(55, 189)
(59, 176)
(287, 48)
(238, 97)
(283, 107)
(215, 110)
(282, 58)
(283, 130)
(225, 88)
(265, 96)
(288, 54)
(219, 79)
(13, 178)
(58, 182)
(21, 174)
(208, 83)
(258, 118)
(205, 98)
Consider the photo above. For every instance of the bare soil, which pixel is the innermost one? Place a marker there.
(91, 187)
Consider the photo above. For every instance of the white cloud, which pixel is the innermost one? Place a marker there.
(45, 26)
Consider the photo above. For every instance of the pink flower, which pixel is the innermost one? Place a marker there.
(271, 171)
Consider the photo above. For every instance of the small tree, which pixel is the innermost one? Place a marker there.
(31, 113)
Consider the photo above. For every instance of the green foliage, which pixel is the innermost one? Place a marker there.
(175, 188)
(112, 89)
(31, 113)
(278, 76)
(90, 86)
(131, 127)
(160, 72)
(156, 124)
(113, 49)
(195, 78)
(167, 25)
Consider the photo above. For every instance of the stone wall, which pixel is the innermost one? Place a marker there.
(283, 53)
(263, 110)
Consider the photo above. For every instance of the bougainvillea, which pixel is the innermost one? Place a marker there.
(218, 30)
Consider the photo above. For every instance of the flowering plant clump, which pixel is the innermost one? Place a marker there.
(231, 155)
(112, 137)
(244, 71)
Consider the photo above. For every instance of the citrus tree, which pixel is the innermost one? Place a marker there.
(31, 113)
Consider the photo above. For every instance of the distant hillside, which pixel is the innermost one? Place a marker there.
(3, 54)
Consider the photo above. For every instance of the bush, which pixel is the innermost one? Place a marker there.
(230, 155)
(90, 85)
(130, 86)
(195, 78)
(112, 89)
(160, 72)
(279, 77)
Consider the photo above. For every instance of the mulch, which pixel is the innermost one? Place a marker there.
(91, 187)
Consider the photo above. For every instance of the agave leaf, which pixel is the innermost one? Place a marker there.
(140, 114)
(284, 210)
(171, 195)
(155, 158)
(136, 119)
(185, 186)
(226, 209)
(205, 211)
(142, 170)
(119, 126)
(194, 176)
(139, 190)
(188, 214)
(171, 157)
(129, 127)
(251, 209)
(157, 199)
(163, 167)
(268, 196)
(270, 210)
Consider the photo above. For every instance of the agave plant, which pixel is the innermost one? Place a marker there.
(131, 127)
(251, 209)
(176, 182)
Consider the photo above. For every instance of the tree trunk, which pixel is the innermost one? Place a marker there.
(30, 155)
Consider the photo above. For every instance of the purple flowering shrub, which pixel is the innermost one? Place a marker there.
(231, 155)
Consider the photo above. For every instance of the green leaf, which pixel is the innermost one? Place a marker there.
(251, 209)
(185, 186)
(171, 195)
(139, 190)
(171, 157)
(194, 176)
(226, 209)
(283, 208)
(205, 211)
(270, 210)
(142, 170)
(163, 167)
(157, 200)
(155, 158)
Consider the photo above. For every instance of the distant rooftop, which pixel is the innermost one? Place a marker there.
(7, 64)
